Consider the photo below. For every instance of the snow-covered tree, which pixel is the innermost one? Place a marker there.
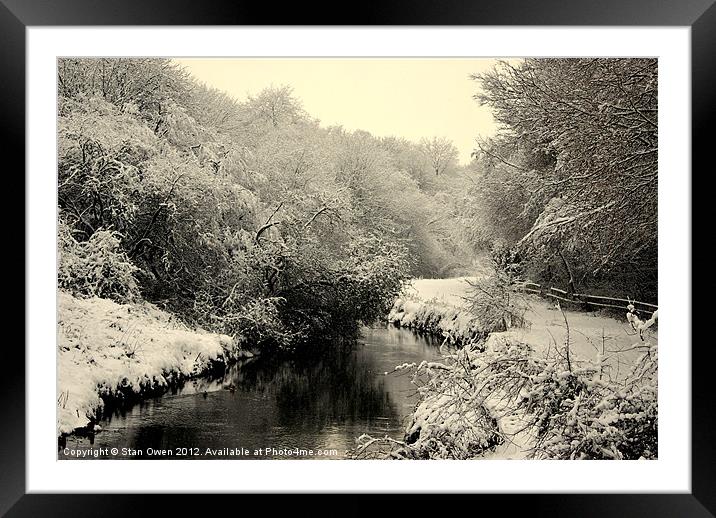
(582, 135)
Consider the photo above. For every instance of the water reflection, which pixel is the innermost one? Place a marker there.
(313, 404)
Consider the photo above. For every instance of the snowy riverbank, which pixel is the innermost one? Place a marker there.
(437, 306)
(115, 350)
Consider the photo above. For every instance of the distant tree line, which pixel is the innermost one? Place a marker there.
(244, 217)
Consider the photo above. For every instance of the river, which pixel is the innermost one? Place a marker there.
(317, 406)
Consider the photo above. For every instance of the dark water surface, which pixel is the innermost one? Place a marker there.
(286, 405)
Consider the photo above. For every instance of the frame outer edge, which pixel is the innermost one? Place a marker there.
(12, 100)
(703, 108)
(386, 12)
(12, 380)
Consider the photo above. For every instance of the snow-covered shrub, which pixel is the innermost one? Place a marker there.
(258, 323)
(331, 292)
(566, 407)
(580, 416)
(451, 421)
(493, 301)
(637, 324)
(95, 268)
(574, 410)
(581, 413)
(506, 259)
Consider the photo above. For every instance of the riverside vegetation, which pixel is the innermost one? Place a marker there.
(195, 230)
(247, 220)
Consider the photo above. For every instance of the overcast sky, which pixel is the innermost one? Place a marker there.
(410, 98)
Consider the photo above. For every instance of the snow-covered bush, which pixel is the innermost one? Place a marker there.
(506, 259)
(95, 268)
(494, 302)
(579, 415)
(258, 322)
(450, 421)
(566, 407)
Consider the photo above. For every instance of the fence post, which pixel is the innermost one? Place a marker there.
(586, 306)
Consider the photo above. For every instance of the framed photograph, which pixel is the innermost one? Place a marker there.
(425, 252)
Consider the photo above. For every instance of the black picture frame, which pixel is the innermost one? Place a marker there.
(700, 15)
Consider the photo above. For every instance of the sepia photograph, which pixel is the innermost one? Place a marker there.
(357, 258)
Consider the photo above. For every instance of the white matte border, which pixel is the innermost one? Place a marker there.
(671, 473)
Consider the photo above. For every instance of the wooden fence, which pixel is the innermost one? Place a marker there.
(586, 301)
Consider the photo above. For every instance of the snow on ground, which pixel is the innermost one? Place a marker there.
(441, 291)
(589, 333)
(546, 325)
(105, 347)
(437, 305)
